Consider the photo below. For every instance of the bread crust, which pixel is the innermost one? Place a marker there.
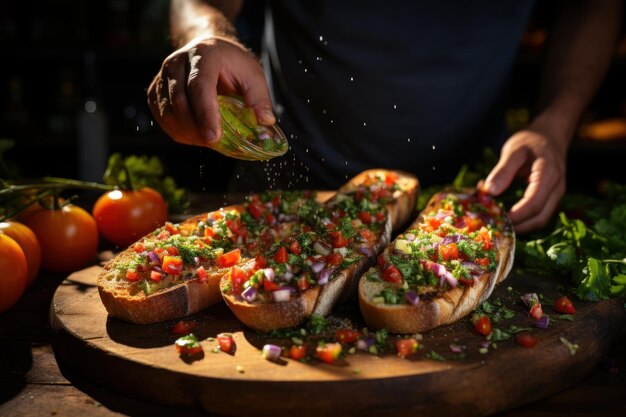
(437, 308)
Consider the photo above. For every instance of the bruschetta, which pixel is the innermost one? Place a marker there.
(442, 267)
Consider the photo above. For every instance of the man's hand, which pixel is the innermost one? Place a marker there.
(541, 160)
(183, 95)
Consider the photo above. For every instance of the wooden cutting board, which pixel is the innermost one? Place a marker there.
(141, 361)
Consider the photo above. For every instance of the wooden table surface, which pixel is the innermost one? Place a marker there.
(33, 383)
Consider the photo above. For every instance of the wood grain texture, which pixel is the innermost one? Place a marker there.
(140, 361)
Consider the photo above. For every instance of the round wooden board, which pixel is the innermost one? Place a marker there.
(141, 361)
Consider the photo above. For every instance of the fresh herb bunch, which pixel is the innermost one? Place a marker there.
(146, 171)
(590, 249)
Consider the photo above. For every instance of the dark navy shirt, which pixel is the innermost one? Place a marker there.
(412, 85)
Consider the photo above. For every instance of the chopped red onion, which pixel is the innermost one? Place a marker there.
(485, 344)
(365, 343)
(317, 267)
(543, 322)
(287, 217)
(410, 237)
(324, 276)
(269, 274)
(249, 294)
(412, 297)
(281, 294)
(321, 248)
(454, 348)
(271, 352)
(153, 257)
(441, 272)
(451, 239)
(287, 276)
(157, 269)
(530, 299)
(365, 250)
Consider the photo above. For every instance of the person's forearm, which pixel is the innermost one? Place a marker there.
(191, 19)
(579, 51)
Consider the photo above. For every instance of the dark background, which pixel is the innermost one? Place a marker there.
(56, 56)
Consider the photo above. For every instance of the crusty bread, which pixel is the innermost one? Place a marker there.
(436, 307)
(402, 207)
(123, 300)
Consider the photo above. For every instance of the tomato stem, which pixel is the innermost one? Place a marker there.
(19, 209)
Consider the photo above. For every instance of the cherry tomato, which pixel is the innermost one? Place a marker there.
(237, 277)
(564, 305)
(365, 217)
(338, 239)
(405, 347)
(334, 259)
(125, 216)
(328, 352)
(297, 352)
(536, 311)
(449, 251)
(347, 335)
(392, 274)
(226, 342)
(28, 242)
(68, 238)
(13, 272)
(183, 327)
(295, 247)
(483, 325)
(526, 339)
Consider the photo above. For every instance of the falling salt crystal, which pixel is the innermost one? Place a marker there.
(151, 122)
(395, 107)
(408, 140)
(364, 123)
(433, 147)
(346, 162)
(137, 128)
(237, 176)
(318, 58)
(321, 38)
(306, 70)
(299, 61)
(433, 168)
(308, 100)
(307, 150)
(323, 111)
(351, 79)
(332, 121)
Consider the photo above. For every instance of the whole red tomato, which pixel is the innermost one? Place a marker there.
(125, 216)
(68, 238)
(28, 242)
(13, 272)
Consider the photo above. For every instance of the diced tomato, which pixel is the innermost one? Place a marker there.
(276, 201)
(183, 327)
(328, 352)
(208, 232)
(536, 311)
(564, 305)
(132, 275)
(391, 178)
(392, 274)
(188, 345)
(365, 217)
(295, 247)
(367, 234)
(269, 218)
(270, 285)
(297, 352)
(229, 258)
(358, 196)
(237, 277)
(526, 339)
(381, 193)
(156, 276)
(483, 325)
(347, 335)
(406, 347)
(163, 235)
(236, 227)
(202, 274)
(338, 239)
(484, 237)
(256, 209)
(380, 261)
(431, 224)
(260, 262)
(466, 281)
(226, 342)
(281, 256)
(173, 230)
(472, 223)
(138, 247)
(303, 282)
(449, 251)
(334, 259)
(381, 216)
(172, 250)
(172, 265)
(482, 261)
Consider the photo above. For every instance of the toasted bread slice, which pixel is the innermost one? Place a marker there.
(403, 187)
(386, 301)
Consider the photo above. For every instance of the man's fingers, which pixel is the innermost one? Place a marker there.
(541, 197)
(542, 218)
(506, 169)
(202, 94)
(257, 96)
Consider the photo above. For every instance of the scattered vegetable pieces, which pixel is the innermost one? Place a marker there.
(571, 347)
(188, 345)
